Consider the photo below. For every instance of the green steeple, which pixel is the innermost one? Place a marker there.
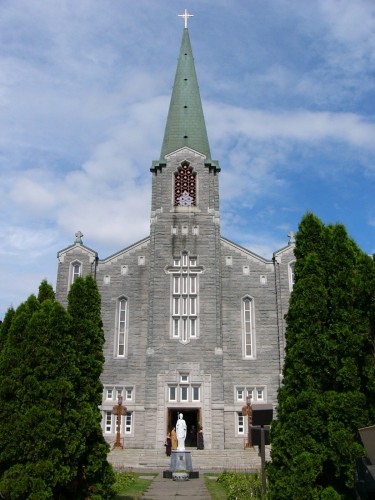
(185, 122)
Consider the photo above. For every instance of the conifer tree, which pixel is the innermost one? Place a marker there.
(45, 291)
(328, 384)
(5, 325)
(37, 409)
(84, 307)
(47, 431)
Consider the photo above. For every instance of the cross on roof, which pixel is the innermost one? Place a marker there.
(78, 236)
(292, 237)
(186, 16)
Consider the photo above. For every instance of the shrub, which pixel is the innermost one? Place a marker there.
(242, 486)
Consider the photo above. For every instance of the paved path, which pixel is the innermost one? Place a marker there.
(166, 489)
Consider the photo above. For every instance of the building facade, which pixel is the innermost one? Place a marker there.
(193, 322)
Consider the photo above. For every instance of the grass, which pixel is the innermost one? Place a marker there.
(221, 486)
(131, 485)
(217, 490)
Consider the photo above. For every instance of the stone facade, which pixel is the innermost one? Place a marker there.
(193, 322)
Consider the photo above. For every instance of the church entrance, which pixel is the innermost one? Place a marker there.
(192, 417)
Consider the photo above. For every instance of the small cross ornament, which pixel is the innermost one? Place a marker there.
(78, 236)
(186, 16)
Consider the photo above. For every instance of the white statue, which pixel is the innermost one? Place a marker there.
(181, 432)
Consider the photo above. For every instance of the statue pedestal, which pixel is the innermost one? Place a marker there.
(180, 462)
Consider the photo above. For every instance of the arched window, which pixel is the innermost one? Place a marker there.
(185, 185)
(122, 326)
(291, 275)
(75, 271)
(248, 342)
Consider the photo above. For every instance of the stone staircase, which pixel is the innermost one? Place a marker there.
(202, 460)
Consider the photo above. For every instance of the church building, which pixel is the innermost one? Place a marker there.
(193, 322)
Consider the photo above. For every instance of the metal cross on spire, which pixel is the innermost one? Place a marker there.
(186, 16)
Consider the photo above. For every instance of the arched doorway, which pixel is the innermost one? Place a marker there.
(192, 417)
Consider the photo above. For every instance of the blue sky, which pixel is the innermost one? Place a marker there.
(289, 99)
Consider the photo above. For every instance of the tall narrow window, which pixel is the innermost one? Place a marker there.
(291, 275)
(172, 393)
(260, 394)
(247, 328)
(76, 271)
(196, 393)
(250, 393)
(129, 423)
(184, 393)
(108, 422)
(122, 326)
(184, 300)
(185, 185)
(240, 424)
(240, 394)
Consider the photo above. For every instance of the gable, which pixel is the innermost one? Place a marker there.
(234, 247)
(77, 248)
(139, 245)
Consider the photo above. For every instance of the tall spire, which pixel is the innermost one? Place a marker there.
(185, 123)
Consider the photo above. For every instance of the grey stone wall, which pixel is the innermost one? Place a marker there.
(131, 282)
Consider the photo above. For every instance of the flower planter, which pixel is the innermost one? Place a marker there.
(180, 476)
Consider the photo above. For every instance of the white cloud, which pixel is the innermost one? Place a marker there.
(302, 125)
(353, 25)
(31, 194)
(24, 242)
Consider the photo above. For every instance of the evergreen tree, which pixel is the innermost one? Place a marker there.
(51, 445)
(45, 292)
(328, 385)
(5, 325)
(37, 411)
(85, 310)
(84, 306)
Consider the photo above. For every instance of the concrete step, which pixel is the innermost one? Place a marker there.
(209, 460)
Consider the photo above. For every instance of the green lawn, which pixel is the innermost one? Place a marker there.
(131, 485)
(217, 490)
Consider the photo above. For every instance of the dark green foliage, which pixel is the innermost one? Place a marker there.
(51, 445)
(84, 308)
(45, 292)
(328, 386)
(85, 311)
(5, 325)
(37, 401)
